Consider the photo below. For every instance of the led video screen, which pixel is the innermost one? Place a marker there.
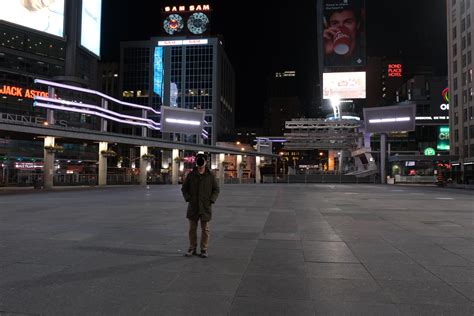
(90, 26)
(41, 15)
(344, 85)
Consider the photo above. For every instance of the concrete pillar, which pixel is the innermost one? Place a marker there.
(144, 129)
(48, 166)
(220, 166)
(341, 161)
(239, 167)
(175, 168)
(103, 146)
(143, 165)
(330, 160)
(383, 153)
(258, 177)
(103, 122)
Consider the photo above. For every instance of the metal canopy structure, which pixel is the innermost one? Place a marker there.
(306, 134)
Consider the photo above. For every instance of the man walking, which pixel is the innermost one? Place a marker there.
(200, 189)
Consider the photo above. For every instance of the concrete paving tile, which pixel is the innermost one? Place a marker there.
(335, 308)
(274, 286)
(279, 244)
(366, 291)
(422, 292)
(270, 307)
(321, 251)
(193, 304)
(453, 274)
(205, 283)
(323, 270)
(466, 288)
(441, 310)
(275, 261)
(397, 271)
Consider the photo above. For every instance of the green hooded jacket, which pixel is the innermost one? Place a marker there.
(200, 191)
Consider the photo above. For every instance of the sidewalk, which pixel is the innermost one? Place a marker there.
(274, 250)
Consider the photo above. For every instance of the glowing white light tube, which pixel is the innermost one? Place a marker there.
(181, 121)
(389, 120)
(95, 107)
(69, 87)
(84, 111)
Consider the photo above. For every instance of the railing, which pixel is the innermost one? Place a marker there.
(415, 179)
(117, 179)
(239, 181)
(75, 179)
(318, 178)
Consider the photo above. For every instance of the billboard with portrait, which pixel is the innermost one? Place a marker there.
(90, 26)
(41, 15)
(344, 85)
(344, 33)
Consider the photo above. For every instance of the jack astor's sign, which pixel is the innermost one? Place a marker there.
(21, 92)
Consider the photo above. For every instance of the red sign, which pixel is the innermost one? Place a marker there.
(21, 92)
(394, 70)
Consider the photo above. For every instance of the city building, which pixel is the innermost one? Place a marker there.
(460, 77)
(282, 102)
(185, 73)
(45, 42)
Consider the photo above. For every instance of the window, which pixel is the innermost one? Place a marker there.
(464, 115)
(455, 33)
(464, 79)
(455, 50)
(456, 135)
(469, 57)
(455, 83)
(464, 133)
(468, 4)
(468, 21)
(470, 94)
(463, 42)
(456, 118)
(464, 60)
(463, 25)
(470, 75)
(455, 100)
(455, 66)
(469, 39)
(464, 96)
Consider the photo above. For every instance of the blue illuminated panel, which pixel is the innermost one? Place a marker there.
(158, 71)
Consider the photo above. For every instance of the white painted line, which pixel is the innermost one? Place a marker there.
(398, 190)
(443, 198)
(350, 193)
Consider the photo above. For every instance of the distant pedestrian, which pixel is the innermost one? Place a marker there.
(200, 189)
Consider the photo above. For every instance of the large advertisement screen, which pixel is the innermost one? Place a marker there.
(443, 138)
(41, 15)
(344, 33)
(178, 120)
(344, 85)
(395, 118)
(90, 26)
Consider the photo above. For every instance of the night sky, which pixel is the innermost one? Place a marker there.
(261, 39)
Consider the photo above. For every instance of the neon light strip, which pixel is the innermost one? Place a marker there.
(181, 121)
(83, 111)
(390, 120)
(69, 87)
(98, 108)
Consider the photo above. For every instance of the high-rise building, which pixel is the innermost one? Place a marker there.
(183, 72)
(460, 76)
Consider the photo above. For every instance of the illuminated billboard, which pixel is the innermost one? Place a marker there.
(90, 26)
(443, 138)
(395, 118)
(178, 120)
(41, 15)
(158, 71)
(343, 39)
(344, 85)
(439, 100)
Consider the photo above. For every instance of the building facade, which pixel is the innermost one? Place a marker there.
(460, 76)
(191, 73)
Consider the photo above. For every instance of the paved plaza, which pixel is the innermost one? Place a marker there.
(274, 250)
